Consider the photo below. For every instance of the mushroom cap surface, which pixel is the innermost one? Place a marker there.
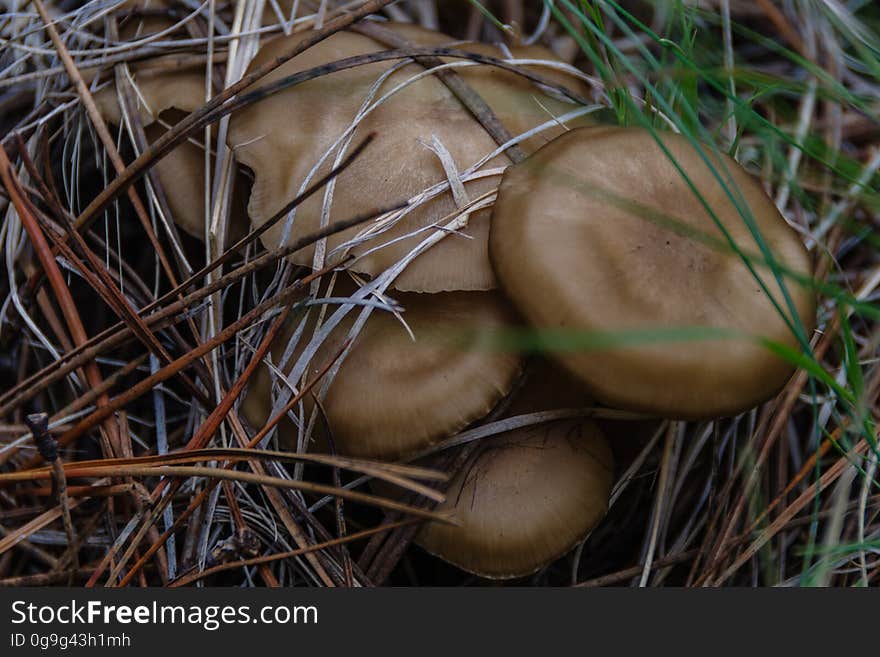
(283, 136)
(524, 499)
(393, 395)
(598, 231)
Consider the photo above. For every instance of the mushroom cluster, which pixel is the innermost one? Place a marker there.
(598, 231)
(393, 397)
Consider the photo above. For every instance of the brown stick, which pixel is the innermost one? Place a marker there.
(200, 499)
(208, 427)
(38, 423)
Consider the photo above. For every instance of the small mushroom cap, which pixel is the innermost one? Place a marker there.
(393, 395)
(578, 246)
(284, 135)
(160, 84)
(164, 96)
(157, 90)
(524, 499)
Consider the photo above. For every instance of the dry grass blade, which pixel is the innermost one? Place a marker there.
(101, 128)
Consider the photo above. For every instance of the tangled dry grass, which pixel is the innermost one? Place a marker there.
(137, 340)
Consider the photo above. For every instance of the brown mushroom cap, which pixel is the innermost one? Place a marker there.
(160, 85)
(157, 90)
(165, 96)
(283, 136)
(577, 217)
(393, 395)
(524, 499)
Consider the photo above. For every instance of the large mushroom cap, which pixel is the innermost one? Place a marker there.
(282, 137)
(524, 499)
(598, 231)
(393, 395)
